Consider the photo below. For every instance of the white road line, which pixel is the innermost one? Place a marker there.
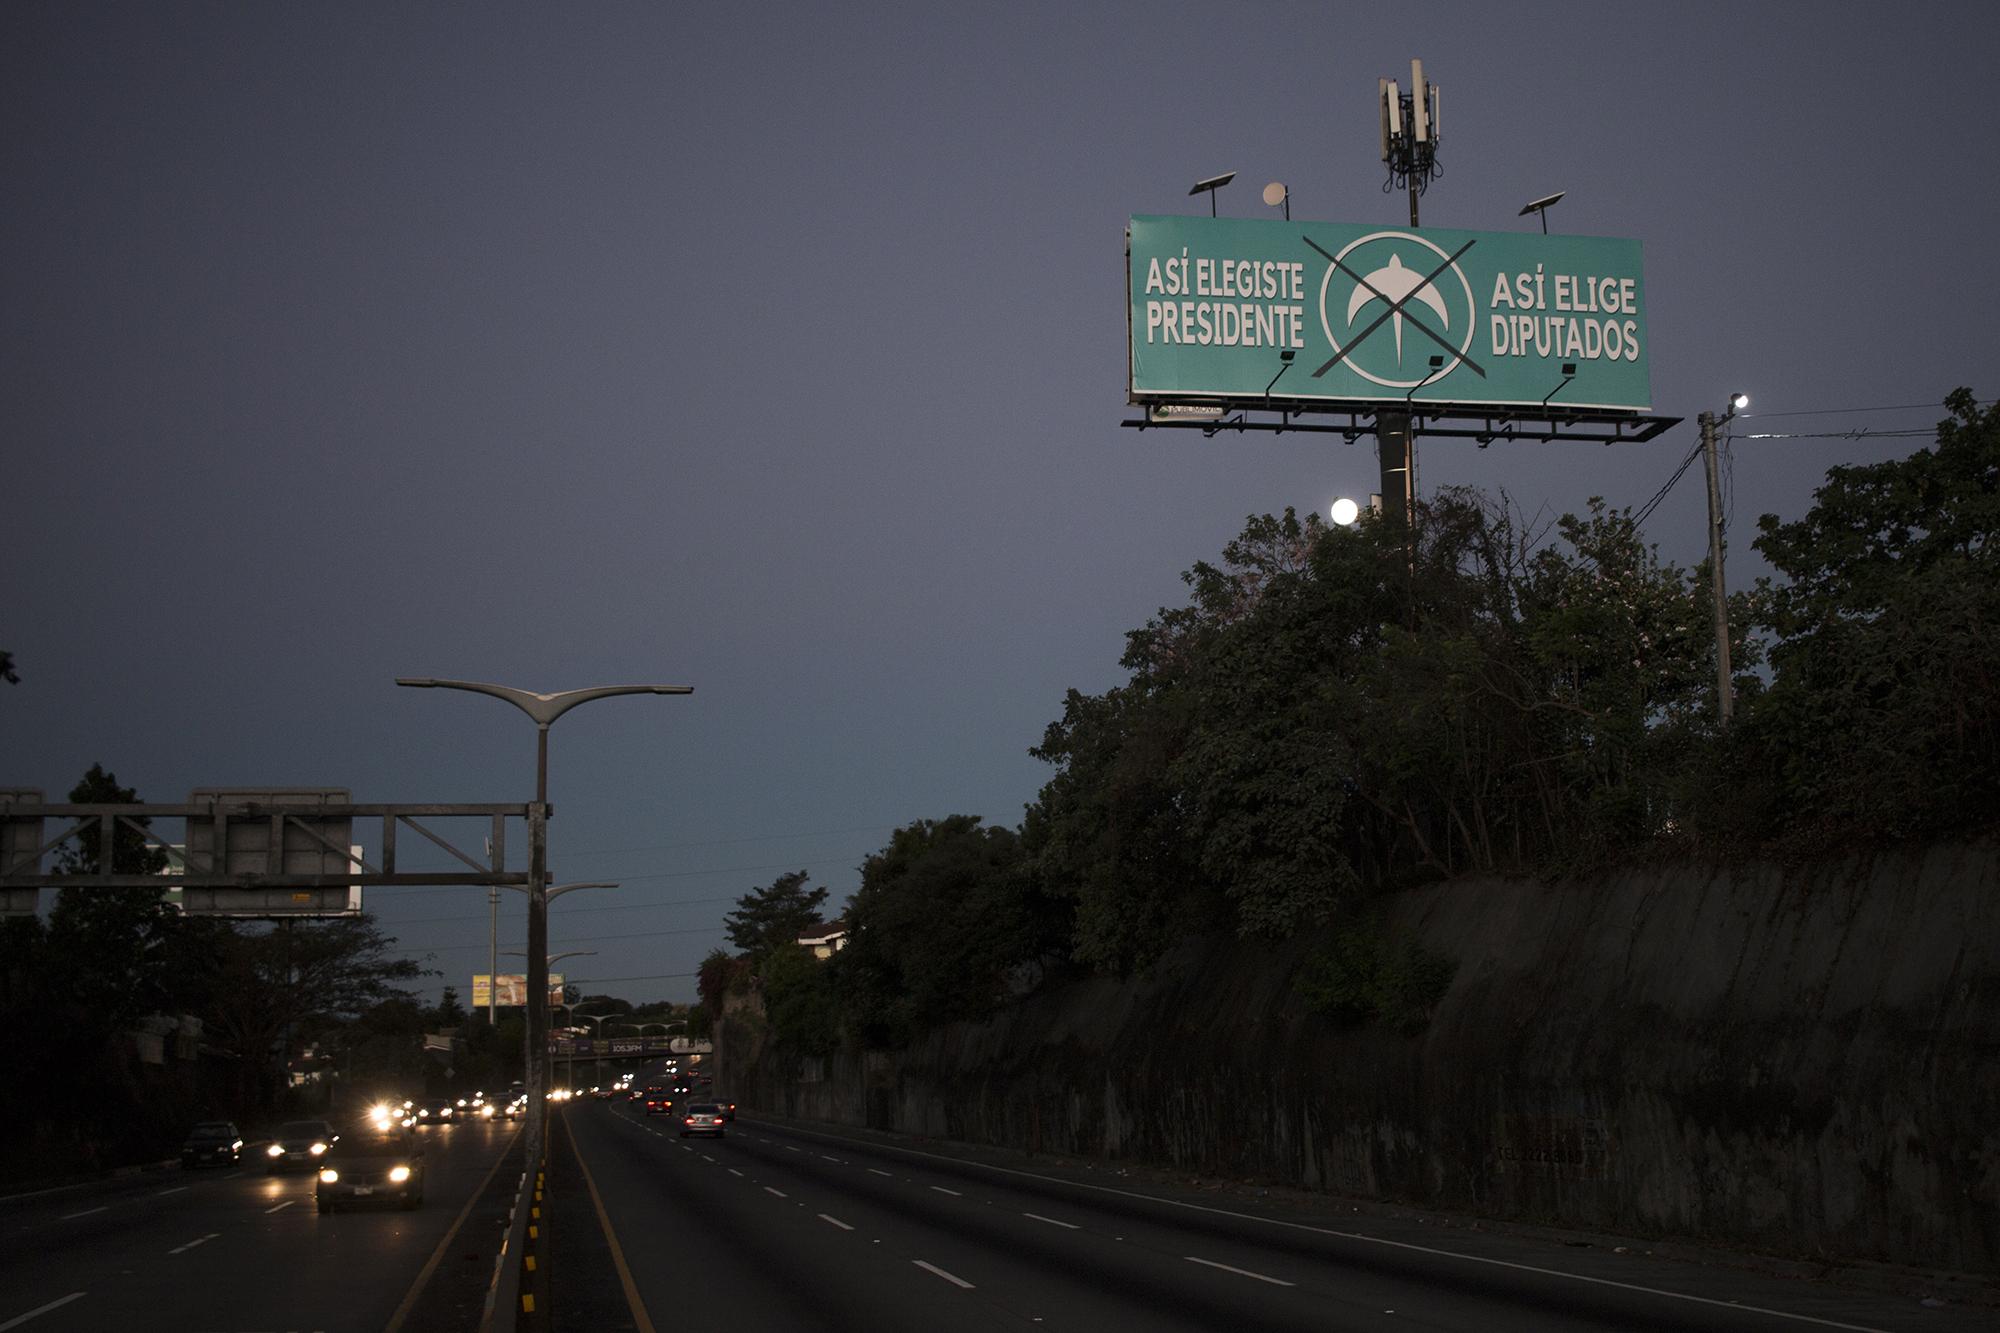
(873, 1172)
(942, 1190)
(1366, 1239)
(780, 1193)
(706, 1158)
(198, 1240)
(1067, 1226)
(933, 1268)
(836, 1221)
(39, 1310)
(175, 1190)
(281, 1207)
(734, 1172)
(835, 1160)
(1240, 1272)
(85, 1213)
(790, 1148)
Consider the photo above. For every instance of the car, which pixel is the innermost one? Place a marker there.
(660, 1101)
(298, 1143)
(371, 1163)
(514, 1108)
(728, 1108)
(702, 1118)
(434, 1111)
(213, 1141)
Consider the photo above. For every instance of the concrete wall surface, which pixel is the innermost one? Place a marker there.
(1803, 1059)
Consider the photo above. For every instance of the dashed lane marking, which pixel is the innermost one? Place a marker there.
(1240, 1272)
(1067, 1226)
(85, 1213)
(780, 1193)
(40, 1310)
(873, 1172)
(952, 1278)
(281, 1207)
(175, 1190)
(198, 1240)
(734, 1172)
(824, 1217)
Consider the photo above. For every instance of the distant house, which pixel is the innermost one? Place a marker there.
(826, 939)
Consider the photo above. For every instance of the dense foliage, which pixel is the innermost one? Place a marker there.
(1338, 712)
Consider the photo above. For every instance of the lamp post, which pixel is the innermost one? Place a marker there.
(597, 1056)
(543, 709)
(540, 1058)
(1724, 692)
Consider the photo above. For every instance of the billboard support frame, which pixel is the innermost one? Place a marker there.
(1483, 424)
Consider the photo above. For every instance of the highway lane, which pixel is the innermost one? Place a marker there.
(785, 1228)
(221, 1249)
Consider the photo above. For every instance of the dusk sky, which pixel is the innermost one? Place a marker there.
(779, 351)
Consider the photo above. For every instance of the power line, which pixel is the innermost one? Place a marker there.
(568, 939)
(1844, 435)
(1848, 411)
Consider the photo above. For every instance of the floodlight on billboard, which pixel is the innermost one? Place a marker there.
(1217, 306)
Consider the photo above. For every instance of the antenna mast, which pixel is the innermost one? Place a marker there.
(1410, 135)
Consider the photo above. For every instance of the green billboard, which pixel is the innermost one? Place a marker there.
(1241, 311)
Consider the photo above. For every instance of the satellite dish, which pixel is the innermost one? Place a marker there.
(1274, 193)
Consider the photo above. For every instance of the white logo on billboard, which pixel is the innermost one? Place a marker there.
(1436, 284)
(1396, 284)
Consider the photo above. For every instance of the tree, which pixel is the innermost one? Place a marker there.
(943, 914)
(298, 981)
(799, 1000)
(1883, 714)
(774, 915)
(107, 945)
(449, 1012)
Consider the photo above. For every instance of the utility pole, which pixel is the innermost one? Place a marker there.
(1724, 693)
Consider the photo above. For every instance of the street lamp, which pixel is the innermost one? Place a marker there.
(540, 1058)
(543, 709)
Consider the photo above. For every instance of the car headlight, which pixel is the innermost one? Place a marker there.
(398, 1174)
(275, 1150)
(328, 1176)
(318, 1148)
(236, 1146)
(443, 1111)
(487, 1110)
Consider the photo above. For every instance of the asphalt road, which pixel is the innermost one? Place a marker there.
(229, 1250)
(778, 1228)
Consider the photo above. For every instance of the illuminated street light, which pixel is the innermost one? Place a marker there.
(543, 709)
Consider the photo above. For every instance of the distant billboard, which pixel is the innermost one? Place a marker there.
(1238, 312)
(513, 989)
(285, 838)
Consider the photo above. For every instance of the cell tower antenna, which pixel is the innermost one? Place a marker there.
(1410, 135)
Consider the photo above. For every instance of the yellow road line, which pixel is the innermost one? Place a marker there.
(644, 1323)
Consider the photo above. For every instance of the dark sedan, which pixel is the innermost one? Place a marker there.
(299, 1143)
(213, 1142)
(372, 1163)
(435, 1111)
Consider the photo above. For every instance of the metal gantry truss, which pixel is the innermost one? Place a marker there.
(292, 857)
